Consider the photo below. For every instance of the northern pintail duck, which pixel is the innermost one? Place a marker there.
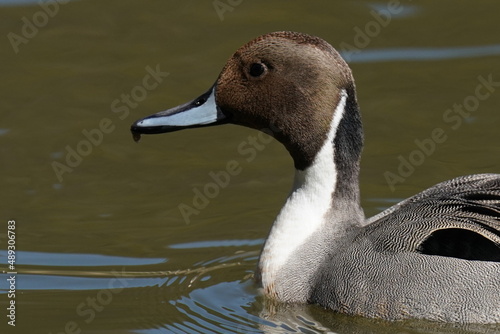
(435, 255)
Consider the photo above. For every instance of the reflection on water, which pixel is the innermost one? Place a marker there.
(68, 260)
(17, 2)
(107, 251)
(421, 54)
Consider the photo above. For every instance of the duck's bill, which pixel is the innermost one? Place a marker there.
(200, 112)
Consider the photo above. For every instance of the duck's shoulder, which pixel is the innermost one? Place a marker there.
(456, 218)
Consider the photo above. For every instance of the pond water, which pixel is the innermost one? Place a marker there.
(101, 244)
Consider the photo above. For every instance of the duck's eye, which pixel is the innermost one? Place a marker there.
(256, 69)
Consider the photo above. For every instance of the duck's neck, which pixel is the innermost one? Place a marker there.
(321, 209)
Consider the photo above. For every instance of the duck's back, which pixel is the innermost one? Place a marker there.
(435, 255)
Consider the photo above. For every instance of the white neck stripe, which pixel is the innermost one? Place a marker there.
(304, 211)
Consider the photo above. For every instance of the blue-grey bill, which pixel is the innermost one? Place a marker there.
(200, 112)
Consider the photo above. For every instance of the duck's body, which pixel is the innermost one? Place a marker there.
(434, 256)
